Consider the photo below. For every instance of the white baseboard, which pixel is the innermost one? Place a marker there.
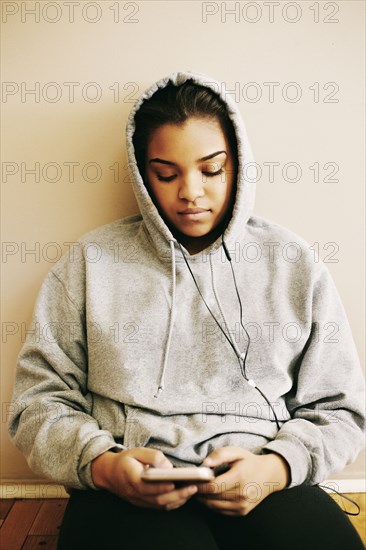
(29, 489)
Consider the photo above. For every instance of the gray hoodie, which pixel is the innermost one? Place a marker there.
(125, 353)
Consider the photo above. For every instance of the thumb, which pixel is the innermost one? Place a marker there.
(153, 457)
(224, 454)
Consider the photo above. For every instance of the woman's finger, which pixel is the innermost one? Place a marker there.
(226, 484)
(152, 457)
(225, 454)
(228, 506)
(148, 488)
(173, 497)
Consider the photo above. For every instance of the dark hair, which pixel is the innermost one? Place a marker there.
(174, 105)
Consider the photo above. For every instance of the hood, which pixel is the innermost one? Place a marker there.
(158, 231)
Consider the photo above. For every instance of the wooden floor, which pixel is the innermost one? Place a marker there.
(33, 524)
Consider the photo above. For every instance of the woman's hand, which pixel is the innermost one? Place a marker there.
(250, 479)
(120, 473)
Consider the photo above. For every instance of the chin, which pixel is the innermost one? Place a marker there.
(195, 234)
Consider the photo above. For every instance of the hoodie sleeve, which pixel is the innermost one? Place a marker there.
(51, 421)
(327, 399)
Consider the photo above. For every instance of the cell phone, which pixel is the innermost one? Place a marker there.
(190, 474)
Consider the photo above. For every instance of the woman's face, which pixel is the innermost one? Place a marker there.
(191, 173)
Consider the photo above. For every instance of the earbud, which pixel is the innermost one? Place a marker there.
(226, 250)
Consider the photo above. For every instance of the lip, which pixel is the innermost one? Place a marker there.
(192, 211)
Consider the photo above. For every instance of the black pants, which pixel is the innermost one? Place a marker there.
(301, 518)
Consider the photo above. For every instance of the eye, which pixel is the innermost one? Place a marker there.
(165, 178)
(212, 174)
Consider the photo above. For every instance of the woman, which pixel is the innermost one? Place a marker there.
(194, 333)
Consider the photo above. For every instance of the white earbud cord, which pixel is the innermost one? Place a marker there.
(241, 357)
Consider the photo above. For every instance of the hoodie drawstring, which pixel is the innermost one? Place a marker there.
(238, 352)
(171, 322)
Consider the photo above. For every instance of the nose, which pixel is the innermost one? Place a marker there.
(191, 187)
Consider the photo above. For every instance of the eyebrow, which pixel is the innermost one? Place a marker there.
(208, 157)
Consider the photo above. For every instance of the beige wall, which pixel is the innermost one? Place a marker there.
(320, 53)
